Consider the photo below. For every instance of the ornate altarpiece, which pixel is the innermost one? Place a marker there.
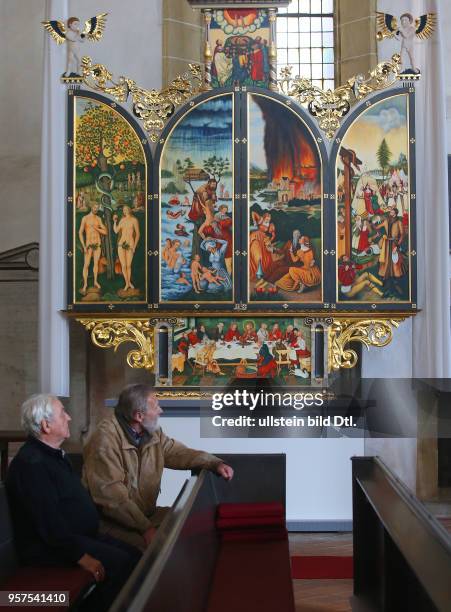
(227, 229)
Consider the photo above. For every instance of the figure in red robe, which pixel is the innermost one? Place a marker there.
(232, 333)
(266, 364)
(367, 193)
(290, 334)
(249, 334)
(276, 333)
(364, 242)
(300, 347)
(257, 60)
(193, 337)
(183, 344)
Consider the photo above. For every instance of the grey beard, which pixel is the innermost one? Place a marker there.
(151, 427)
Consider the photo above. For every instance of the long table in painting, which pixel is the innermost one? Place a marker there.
(243, 353)
(190, 567)
(402, 555)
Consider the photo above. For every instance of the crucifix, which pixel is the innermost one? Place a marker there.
(349, 159)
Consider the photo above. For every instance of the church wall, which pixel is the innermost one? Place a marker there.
(446, 27)
(318, 471)
(21, 61)
(355, 37)
(182, 38)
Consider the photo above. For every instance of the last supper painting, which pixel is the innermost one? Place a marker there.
(373, 206)
(285, 206)
(196, 217)
(213, 351)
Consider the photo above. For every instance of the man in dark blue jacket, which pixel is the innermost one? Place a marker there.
(55, 520)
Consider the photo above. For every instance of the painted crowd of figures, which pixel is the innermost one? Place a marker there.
(210, 231)
(291, 268)
(265, 348)
(379, 239)
(246, 59)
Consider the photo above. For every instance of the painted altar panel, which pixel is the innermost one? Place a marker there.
(373, 206)
(196, 206)
(239, 40)
(285, 206)
(210, 352)
(109, 195)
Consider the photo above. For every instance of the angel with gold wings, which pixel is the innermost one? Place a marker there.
(408, 29)
(73, 36)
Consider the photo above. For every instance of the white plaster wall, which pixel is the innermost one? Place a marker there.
(318, 470)
(132, 41)
(132, 46)
(21, 46)
(445, 9)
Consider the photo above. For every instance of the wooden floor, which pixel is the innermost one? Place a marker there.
(322, 595)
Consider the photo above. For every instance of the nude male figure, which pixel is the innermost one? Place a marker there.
(407, 31)
(128, 228)
(90, 234)
(196, 271)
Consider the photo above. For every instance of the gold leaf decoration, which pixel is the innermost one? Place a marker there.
(111, 333)
(153, 107)
(329, 106)
(370, 332)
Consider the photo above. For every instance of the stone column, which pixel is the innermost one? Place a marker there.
(355, 38)
(182, 38)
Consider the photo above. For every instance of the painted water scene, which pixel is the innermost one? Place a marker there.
(285, 206)
(214, 351)
(109, 207)
(239, 41)
(196, 214)
(373, 206)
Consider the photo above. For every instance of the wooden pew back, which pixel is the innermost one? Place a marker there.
(176, 571)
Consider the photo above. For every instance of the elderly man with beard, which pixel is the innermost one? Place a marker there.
(124, 461)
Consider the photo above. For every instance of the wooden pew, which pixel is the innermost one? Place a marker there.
(180, 567)
(402, 555)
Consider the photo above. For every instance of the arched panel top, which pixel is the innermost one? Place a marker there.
(116, 110)
(109, 178)
(300, 112)
(367, 108)
(185, 110)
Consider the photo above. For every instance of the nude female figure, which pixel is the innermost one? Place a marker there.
(128, 228)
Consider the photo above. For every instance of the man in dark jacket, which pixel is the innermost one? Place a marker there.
(55, 520)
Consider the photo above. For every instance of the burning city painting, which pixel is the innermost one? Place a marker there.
(373, 206)
(285, 206)
(196, 215)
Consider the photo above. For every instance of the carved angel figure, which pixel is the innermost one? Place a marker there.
(409, 28)
(73, 36)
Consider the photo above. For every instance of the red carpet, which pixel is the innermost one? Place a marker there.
(311, 568)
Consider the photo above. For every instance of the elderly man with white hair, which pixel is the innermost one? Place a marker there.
(55, 520)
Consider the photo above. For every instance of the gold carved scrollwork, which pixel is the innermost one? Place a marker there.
(153, 107)
(330, 106)
(370, 332)
(111, 333)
